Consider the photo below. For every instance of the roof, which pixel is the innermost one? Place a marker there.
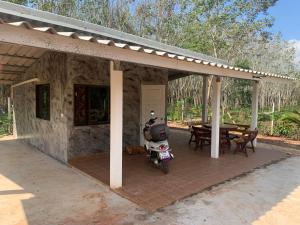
(16, 59)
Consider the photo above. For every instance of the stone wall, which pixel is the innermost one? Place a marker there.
(134, 77)
(85, 140)
(48, 136)
(59, 137)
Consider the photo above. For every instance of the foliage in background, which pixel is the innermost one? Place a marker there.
(293, 119)
(284, 124)
(5, 125)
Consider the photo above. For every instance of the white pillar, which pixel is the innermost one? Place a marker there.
(254, 107)
(272, 119)
(205, 99)
(8, 108)
(215, 120)
(15, 132)
(116, 126)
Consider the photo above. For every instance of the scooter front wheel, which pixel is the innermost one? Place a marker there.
(165, 166)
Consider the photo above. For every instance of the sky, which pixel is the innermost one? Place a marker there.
(287, 21)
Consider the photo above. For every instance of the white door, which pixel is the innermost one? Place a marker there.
(153, 97)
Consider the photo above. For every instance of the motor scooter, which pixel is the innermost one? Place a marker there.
(156, 143)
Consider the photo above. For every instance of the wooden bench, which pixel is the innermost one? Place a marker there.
(243, 141)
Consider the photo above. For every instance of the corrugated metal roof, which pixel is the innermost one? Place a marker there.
(113, 38)
(14, 13)
(15, 59)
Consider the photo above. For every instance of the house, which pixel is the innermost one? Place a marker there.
(79, 88)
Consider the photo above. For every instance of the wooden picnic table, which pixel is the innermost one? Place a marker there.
(225, 127)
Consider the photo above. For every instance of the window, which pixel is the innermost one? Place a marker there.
(42, 93)
(91, 105)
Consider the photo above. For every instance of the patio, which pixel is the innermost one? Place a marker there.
(190, 172)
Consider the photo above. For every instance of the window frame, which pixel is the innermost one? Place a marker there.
(39, 109)
(87, 105)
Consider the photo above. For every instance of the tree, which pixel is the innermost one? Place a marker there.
(234, 30)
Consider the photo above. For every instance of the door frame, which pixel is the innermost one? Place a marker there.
(143, 87)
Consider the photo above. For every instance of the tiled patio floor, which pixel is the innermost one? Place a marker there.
(190, 172)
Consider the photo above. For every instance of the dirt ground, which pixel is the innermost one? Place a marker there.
(35, 189)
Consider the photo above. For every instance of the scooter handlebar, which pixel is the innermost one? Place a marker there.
(152, 121)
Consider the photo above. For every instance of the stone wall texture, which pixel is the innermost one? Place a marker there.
(84, 140)
(134, 77)
(59, 137)
(48, 136)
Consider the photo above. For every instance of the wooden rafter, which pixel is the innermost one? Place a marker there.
(12, 65)
(25, 82)
(19, 56)
(11, 68)
(3, 81)
(10, 72)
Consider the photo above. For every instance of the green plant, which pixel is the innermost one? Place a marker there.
(264, 117)
(292, 117)
(283, 130)
(5, 125)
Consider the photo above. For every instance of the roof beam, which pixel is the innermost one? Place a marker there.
(19, 56)
(22, 83)
(276, 80)
(177, 76)
(2, 81)
(26, 82)
(33, 38)
(10, 72)
(12, 66)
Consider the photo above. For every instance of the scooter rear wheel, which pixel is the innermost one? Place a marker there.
(165, 166)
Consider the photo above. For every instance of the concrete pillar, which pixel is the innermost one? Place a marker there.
(254, 107)
(116, 126)
(215, 120)
(15, 132)
(8, 108)
(205, 99)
